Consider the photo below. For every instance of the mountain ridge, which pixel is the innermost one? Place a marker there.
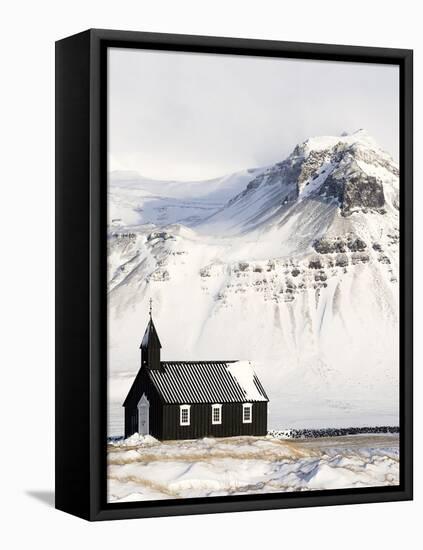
(337, 168)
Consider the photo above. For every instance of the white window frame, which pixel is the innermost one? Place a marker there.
(188, 409)
(217, 407)
(247, 407)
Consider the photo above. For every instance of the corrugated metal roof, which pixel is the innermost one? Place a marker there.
(204, 382)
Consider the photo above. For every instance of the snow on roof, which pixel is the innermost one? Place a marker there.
(244, 374)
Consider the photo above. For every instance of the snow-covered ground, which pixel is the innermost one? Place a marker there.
(142, 468)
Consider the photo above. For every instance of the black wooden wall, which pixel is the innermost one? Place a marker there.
(164, 419)
(201, 421)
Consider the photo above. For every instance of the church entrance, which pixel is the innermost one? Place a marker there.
(143, 415)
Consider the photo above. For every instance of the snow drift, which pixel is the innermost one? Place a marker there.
(148, 470)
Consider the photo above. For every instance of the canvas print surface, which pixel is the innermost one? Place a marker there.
(253, 264)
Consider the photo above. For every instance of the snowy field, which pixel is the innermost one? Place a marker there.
(142, 468)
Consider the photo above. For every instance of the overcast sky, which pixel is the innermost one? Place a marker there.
(196, 116)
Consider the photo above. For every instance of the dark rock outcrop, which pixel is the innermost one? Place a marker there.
(339, 245)
(353, 189)
(311, 165)
(329, 246)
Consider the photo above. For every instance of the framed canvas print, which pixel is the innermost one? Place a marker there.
(234, 274)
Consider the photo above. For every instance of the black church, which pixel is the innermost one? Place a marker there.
(193, 399)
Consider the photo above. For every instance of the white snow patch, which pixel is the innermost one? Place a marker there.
(360, 137)
(243, 372)
(136, 440)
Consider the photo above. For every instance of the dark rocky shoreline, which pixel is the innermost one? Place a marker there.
(309, 433)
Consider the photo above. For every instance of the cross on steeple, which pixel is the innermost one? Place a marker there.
(151, 306)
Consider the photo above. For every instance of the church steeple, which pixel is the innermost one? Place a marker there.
(150, 345)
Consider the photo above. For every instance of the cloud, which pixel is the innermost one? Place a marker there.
(192, 116)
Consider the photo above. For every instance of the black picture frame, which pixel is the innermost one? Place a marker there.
(81, 325)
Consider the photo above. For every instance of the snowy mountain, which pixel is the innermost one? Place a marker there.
(293, 266)
(134, 199)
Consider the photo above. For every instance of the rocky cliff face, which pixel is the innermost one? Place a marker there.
(350, 171)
